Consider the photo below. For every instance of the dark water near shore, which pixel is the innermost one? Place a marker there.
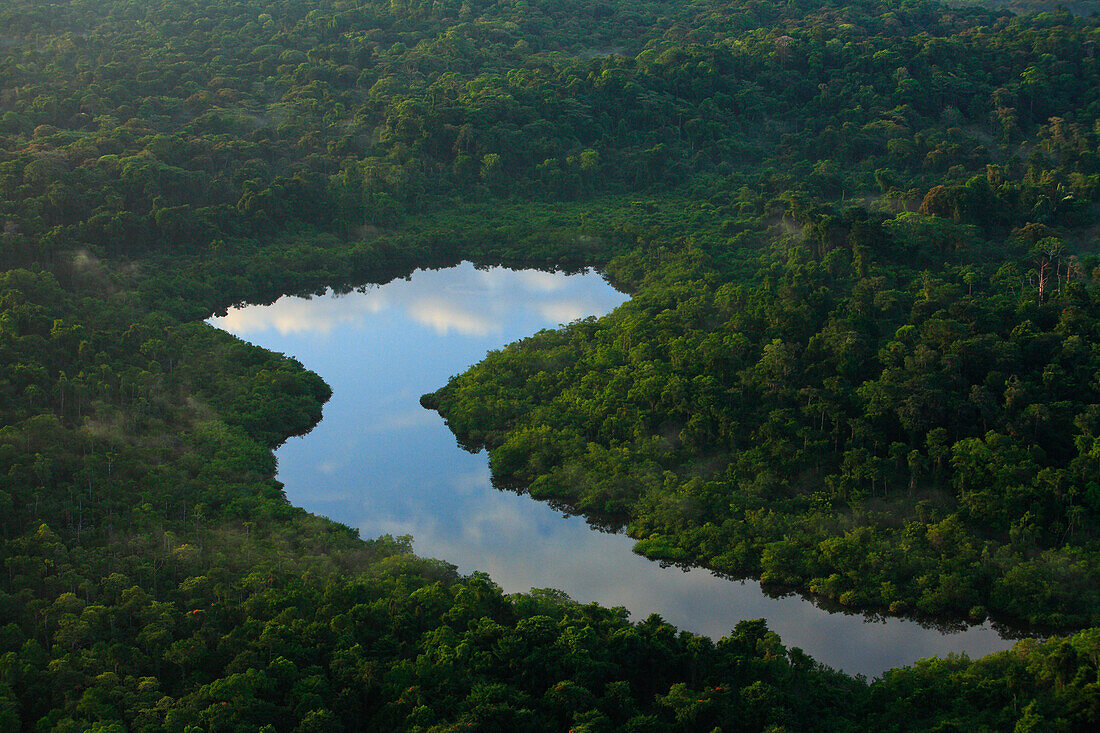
(381, 463)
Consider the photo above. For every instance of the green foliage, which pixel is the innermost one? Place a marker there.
(832, 422)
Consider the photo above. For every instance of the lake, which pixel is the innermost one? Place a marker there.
(380, 462)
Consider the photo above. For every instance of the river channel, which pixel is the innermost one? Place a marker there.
(381, 463)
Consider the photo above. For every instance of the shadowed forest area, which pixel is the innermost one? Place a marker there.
(861, 359)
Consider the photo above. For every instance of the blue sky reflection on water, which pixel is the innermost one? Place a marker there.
(381, 463)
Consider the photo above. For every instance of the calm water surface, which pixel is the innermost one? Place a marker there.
(380, 462)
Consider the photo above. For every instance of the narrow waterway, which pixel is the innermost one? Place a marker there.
(381, 463)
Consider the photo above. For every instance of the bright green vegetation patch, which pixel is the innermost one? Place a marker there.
(901, 440)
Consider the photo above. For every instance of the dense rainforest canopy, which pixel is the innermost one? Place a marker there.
(861, 360)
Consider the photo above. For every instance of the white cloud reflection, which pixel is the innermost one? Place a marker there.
(445, 315)
(293, 315)
(463, 300)
(565, 311)
(545, 282)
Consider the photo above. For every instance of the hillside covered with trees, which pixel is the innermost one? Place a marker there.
(860, 360)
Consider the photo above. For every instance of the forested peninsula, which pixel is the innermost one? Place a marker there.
(861, 360)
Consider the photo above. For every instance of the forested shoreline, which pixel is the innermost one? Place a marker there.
(860, 359)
